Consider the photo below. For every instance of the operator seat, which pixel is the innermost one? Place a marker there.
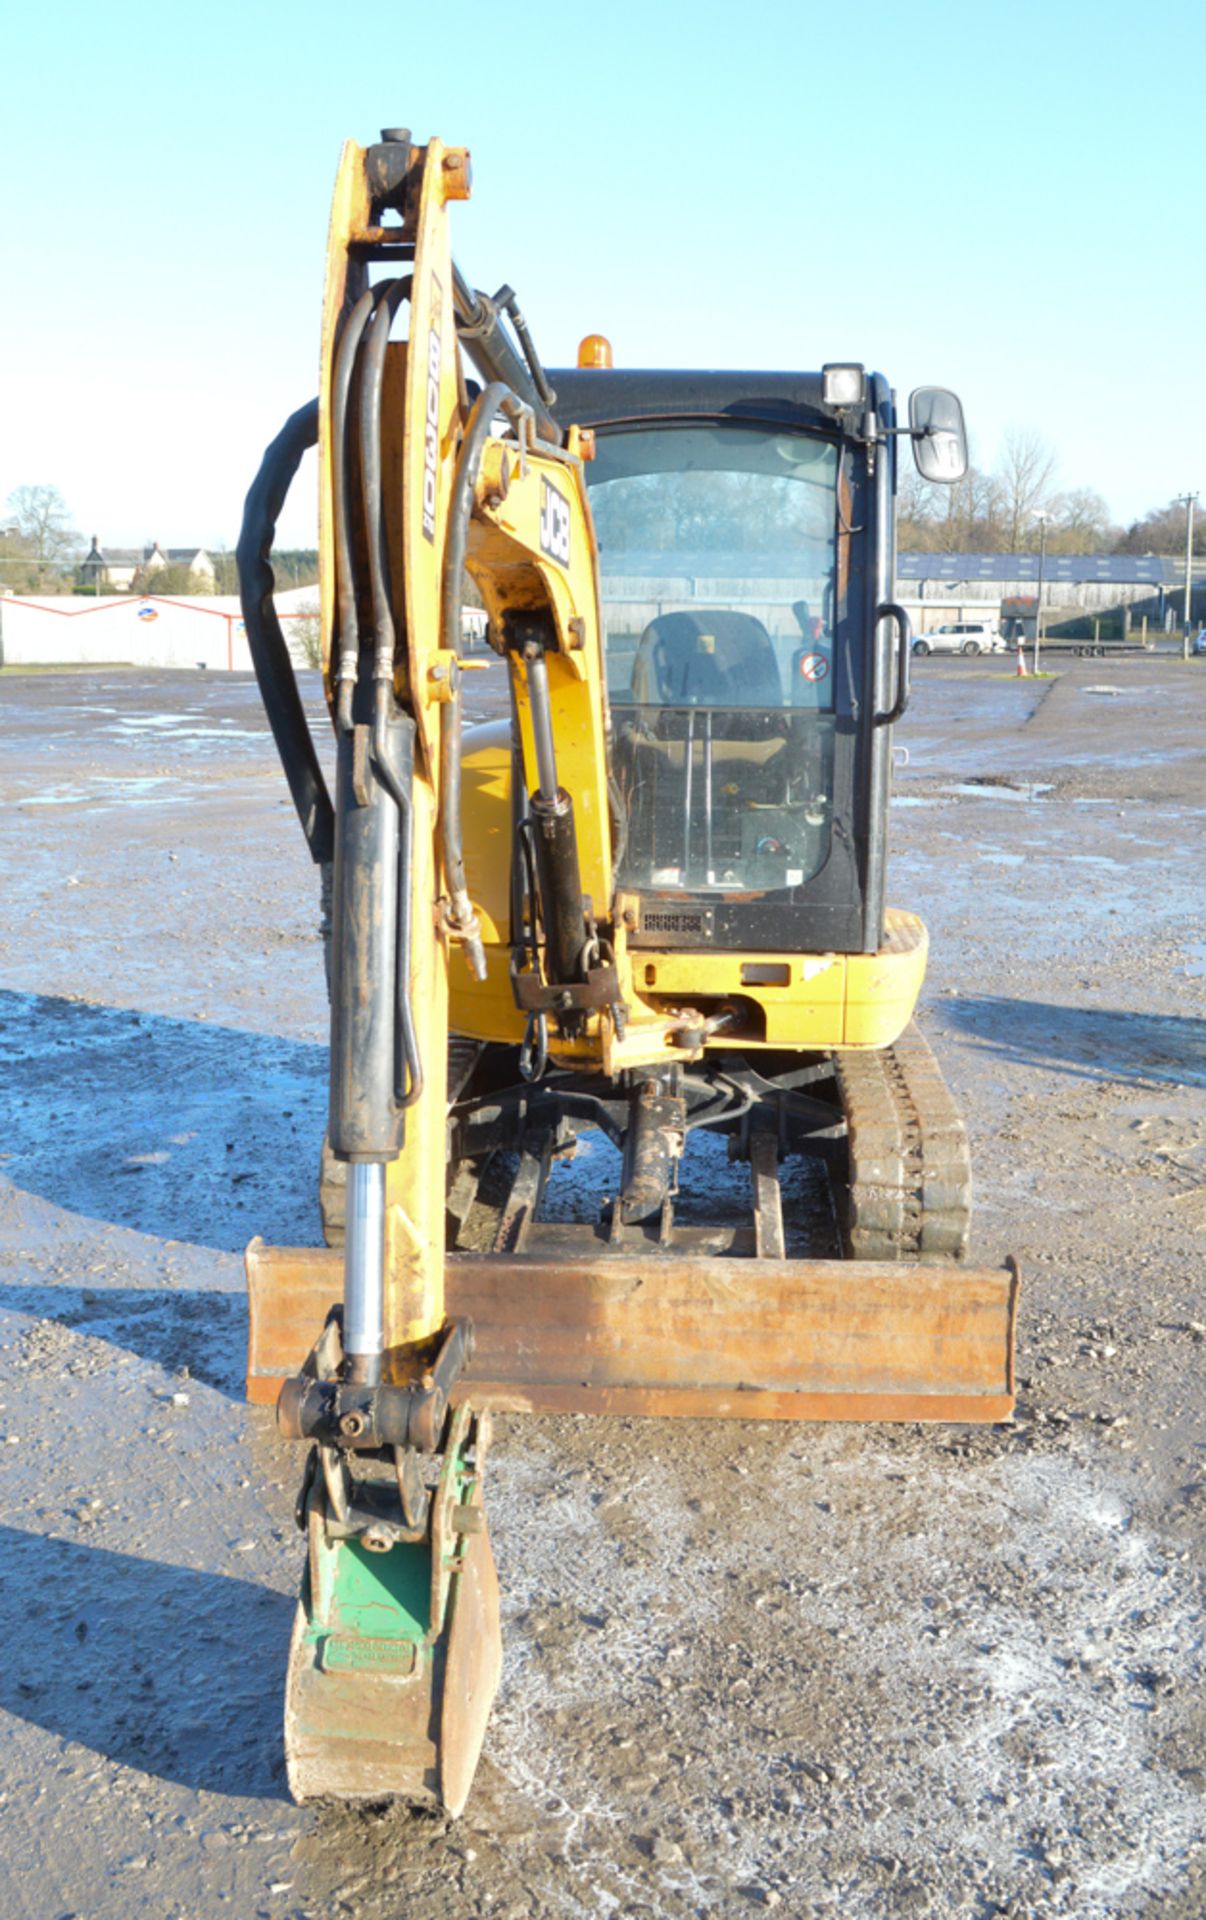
(711, 657)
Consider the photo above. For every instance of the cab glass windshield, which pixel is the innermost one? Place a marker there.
(717, 561)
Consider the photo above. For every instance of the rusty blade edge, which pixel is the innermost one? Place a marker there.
(527, 1363)
(709, 1403)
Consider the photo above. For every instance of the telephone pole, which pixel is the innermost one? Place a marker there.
(1189, 501)
(1042, 519)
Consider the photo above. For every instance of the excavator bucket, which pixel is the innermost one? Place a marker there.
(577, 1331)
(395, 1654)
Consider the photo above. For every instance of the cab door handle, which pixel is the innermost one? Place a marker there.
(891, 610)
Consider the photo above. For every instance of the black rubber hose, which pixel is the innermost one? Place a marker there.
(505, 299)
(372, 381)
(370, 350)
(407, 1039)
(485, 341)
(348, 639)
(269, 653)
(486, 409)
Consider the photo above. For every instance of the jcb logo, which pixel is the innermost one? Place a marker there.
(431, 433)
(554, 523)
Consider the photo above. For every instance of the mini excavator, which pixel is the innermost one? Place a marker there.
(648, 901)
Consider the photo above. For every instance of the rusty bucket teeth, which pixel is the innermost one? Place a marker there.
(395, 1655)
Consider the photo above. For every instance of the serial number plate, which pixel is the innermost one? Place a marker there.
(677, 923)
(376, 1656)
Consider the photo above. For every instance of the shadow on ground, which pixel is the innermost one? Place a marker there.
(1096, 1043)
(164, 1669)
(200, 1331)
(171, 1127)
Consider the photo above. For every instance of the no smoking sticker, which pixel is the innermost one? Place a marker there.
(814, 666)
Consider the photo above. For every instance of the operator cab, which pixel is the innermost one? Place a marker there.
(736, 550)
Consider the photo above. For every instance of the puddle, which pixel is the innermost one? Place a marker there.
(219, 733)
(916, 800)
(57, 797)
(1110, 692)
(135, 788)
(1002, 859)
(1195, 963)
(1001, 790)
(230, 732)
(123, 790)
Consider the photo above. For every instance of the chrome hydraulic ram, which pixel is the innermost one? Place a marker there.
(551, 811)
(373, 1059)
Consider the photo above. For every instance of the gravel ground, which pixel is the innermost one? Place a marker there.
(881, 1671)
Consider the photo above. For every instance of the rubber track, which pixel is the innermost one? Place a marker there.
(909, 1193)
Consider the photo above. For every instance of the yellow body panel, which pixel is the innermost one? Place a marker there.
(515, 574)
(827, 1001)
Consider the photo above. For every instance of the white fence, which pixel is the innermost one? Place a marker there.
(113, 629)
(122, 630)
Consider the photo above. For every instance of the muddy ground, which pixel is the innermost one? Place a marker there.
(861, 1670)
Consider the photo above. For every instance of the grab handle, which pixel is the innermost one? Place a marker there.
(891, 610)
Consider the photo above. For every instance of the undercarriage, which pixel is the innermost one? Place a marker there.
(871, 1146)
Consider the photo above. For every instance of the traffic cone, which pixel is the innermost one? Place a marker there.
(1021, 674)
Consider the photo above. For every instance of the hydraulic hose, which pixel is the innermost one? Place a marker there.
(409, 1081)
(269, 653)
(480, 327)
(465, 922)
(372, 382)
(370, 349)
(345, 587)
(486, 408)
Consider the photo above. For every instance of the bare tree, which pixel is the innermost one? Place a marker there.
(176, 578)
(1027, 473)
(916, 511)
(1082, 523)
(1162, 530)
(974, 513)
(995, 512)
(43, 523)
(304, 634)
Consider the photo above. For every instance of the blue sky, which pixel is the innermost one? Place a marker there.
(1003, 199)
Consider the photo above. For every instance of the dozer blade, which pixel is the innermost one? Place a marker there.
(395, 1655)
(722, 1338)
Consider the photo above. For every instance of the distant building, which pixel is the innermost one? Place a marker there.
(1077, 587)
(118, 567)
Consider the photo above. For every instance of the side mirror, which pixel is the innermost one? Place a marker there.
(939, 435)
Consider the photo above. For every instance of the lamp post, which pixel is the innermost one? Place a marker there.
(1042, 519)
(1189, 501)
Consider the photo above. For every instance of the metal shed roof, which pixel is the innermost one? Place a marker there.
(1120, 569)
